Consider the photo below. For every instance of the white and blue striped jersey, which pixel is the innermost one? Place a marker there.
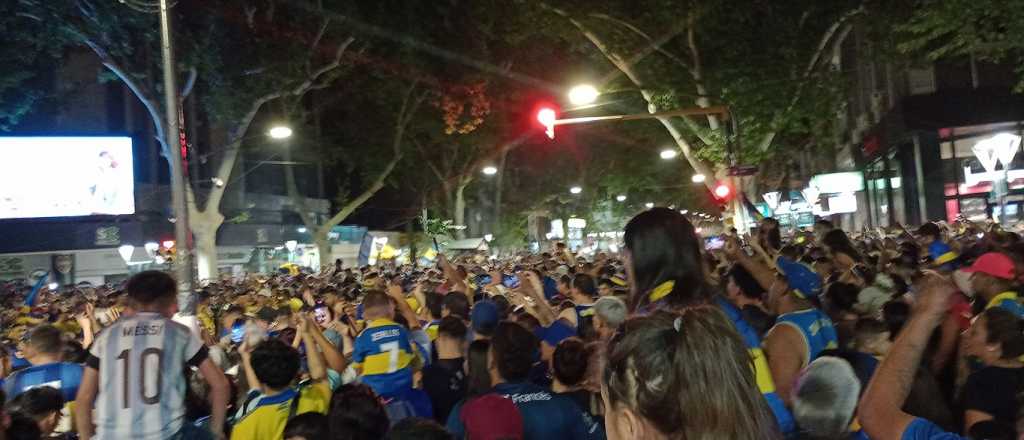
(141, 361)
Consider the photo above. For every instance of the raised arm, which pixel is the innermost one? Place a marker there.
(762, 273)
(534, 289)
(880, 410)
(314, 358)
(396, 293)
(334, 359)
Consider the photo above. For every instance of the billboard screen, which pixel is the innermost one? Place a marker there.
(66, 176)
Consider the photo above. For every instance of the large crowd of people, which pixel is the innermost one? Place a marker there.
(810, 334)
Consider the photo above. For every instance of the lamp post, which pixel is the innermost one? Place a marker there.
(1000, 148)
(126, 251)
(183, 260)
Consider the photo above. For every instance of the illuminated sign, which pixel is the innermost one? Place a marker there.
(852, 181)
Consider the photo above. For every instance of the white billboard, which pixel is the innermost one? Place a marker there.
(66, 176)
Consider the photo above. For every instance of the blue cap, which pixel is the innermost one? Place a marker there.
(484, 315)
(800, 277)
(557, 332)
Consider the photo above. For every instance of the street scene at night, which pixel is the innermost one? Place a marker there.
(511, 219)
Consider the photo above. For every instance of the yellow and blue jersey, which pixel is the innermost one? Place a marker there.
(816, 328)
(264, 417)
(432, 328)
(762, 373)
(385, 357)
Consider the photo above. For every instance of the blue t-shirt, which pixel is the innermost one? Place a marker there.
(63, 376)
(546, 415)
(921, 429)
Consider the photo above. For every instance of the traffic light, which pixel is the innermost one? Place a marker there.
(722, 192)
(547, 116)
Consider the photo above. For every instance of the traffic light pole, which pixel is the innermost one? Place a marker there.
(183, 256)
(721, 110)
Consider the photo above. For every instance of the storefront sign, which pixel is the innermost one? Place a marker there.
(971, 179)
(852, 181)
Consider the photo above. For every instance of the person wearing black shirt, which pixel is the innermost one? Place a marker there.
(990, 394)
(445, 380)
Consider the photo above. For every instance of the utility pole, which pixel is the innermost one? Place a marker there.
(183, 257)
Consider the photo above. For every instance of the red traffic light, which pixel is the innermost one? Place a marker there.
(722, 191)
(547, 117)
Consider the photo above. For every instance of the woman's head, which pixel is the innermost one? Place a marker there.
(661, 246)
(479, 378)
(689, 375)
(836, 242)
(996, 334)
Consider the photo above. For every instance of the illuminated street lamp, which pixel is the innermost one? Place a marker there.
(490, 170)
(649, 205)
(583, 94)
(126, 251)
(575, 190)
(280, 132)
(698, 178)
(1000, 148)
(669, 154)
(620, 198)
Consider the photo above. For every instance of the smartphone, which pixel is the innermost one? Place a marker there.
(510, 281)
(321, 314)
(714, 243)
(238, 331)
(254, 334)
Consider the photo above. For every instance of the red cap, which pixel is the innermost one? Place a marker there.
(994, 264)
(492, 417)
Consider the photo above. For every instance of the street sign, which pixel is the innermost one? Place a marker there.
(742, 170)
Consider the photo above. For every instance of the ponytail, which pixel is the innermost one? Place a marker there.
(689, 375)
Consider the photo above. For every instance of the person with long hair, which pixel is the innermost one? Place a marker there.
(682, 375)
(663, 262)
(842, 252)
(996, 339)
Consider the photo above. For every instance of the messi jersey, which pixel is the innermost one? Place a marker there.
(141, 360)
(815, 327)
(63, 376)
(385, 356)
(265, 417)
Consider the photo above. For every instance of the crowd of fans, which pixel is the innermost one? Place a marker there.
(816, 334)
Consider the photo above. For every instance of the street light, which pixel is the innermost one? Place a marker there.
(620, 198)
(280, 132)
(669, 154)
(698, 178)
(583, 94)
(126, 251)
(649, 205)
(490, 170)
(575, 190)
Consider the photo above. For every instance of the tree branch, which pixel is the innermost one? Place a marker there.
(840, 27)
(190, 83)
(632, 75)
(410, 105)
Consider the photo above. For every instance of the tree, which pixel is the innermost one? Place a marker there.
(242, 55)
(410, 105)
(767, 61)
(984, 29)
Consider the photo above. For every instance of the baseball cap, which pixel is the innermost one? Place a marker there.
(993, 264)
(799, 277)
(557, 332)
(484, 315)
(492, 417)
